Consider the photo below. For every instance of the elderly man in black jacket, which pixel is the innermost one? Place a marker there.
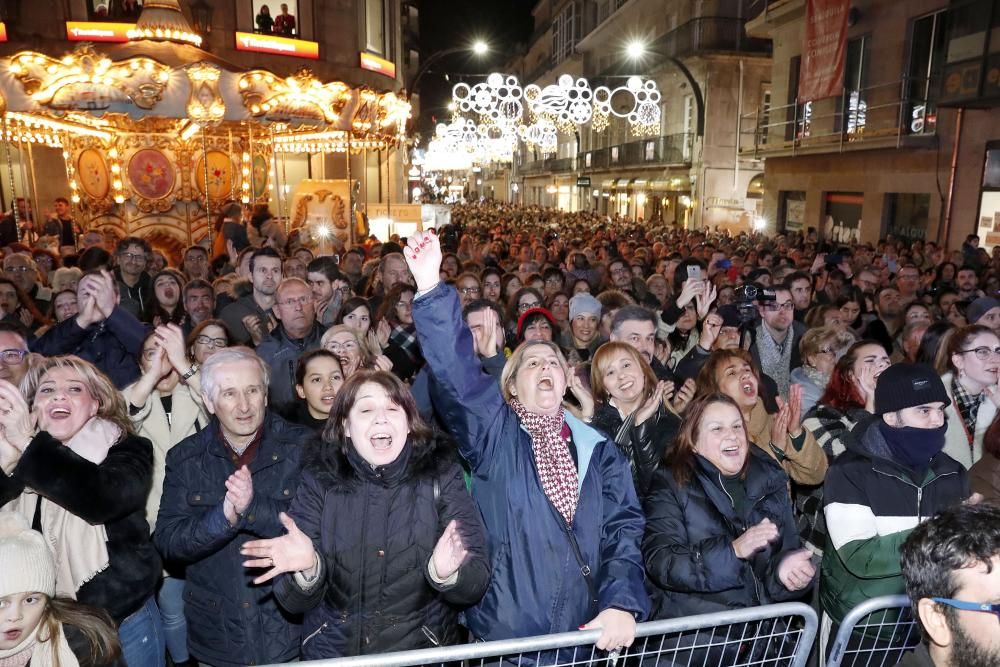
(296, 333)
(224, 487)
(103, 333)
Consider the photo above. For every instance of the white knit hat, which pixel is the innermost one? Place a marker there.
(26, 564)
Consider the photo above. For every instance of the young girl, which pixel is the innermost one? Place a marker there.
(35, 626)
(318, 377)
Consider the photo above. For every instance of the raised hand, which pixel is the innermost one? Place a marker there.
(582, 394)
(617, 629)
(485, 338)
(795, 410)
(104, 293)
(239, 494)
(710, 329)
(254, 327)
(780, 423)
(423, 256)
(383, 363)
(754, 539)
(449, 552)
(292, 552)
(653, 403)
(796, 570)
(704, 301)
(383, 330)
(17, 426)
(866, 381)
(689, 291)
(171, 340)
(683, 396)
(88, 314)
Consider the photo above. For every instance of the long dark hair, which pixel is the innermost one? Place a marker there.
(679, 459)
(334, 433)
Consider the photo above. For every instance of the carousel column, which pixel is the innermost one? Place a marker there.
(208, 202)
(10, 176)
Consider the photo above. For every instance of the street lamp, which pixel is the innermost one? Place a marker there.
(636, 51)
(479, 48)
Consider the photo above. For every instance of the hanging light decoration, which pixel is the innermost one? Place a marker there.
(163, 21)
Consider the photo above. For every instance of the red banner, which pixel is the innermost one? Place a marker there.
(822, 70)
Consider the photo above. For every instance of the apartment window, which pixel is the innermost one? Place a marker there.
(689, 126)
(103, 10)
(988, 227)
(764, 121)
(855, 76)
(276, 18)
(375, 26)
(605, 8)
(566, 28)
(927, 47)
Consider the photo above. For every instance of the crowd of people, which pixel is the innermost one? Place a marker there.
(523, 423)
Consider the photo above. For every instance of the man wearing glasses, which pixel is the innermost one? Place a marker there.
(296, 332)
(951, 565)
(134, 284)
(13, 354)
(775, 345)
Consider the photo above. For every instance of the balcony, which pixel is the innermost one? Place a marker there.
(548, 166)
(896, 114)
(671, 149)
(710, 34)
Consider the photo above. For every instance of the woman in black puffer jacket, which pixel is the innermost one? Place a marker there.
(385, 545)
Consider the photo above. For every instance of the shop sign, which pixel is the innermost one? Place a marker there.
(583, 181)
(87, 31)
(373, 63)
(823, 50)
(280, 46)
(722, 202)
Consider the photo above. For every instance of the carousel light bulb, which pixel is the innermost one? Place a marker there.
(119, 199)
(75, 198)
(117, 184)
(116, 168)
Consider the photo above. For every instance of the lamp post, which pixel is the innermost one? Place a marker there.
(479, 48)
(637, 50)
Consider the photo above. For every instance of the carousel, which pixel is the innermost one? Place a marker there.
(154, 136)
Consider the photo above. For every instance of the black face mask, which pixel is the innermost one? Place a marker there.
(914, 447)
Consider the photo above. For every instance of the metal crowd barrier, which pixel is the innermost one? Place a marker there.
(876, 633)
(779, 635)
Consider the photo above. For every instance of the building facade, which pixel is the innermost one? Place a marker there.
(907, 147)
(709, 74)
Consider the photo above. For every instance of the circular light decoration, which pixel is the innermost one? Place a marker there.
(498, 99)
(637, 101)
(567, 103)
(542, 133)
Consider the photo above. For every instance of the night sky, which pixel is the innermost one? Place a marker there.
(505, 25)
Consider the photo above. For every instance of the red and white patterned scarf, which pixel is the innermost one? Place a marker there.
(552, 458)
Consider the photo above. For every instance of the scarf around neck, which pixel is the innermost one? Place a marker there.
(776, 360)
(556, 468)
(40, 652)
(80, 549)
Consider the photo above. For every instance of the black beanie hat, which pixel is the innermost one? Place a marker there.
(904, 386)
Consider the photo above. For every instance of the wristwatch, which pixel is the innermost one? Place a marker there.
(191, 371)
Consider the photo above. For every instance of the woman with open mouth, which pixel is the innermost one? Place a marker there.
(318, 378)
(720, 533)
(380, 482)
(83, 477)
(556, 496)
(780, 435)
(168, 286)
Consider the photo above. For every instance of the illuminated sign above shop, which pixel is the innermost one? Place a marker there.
(375, 64)
(3, 32)
(84, 31)
(281, 46)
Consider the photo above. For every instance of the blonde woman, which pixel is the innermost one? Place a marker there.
(820, 348)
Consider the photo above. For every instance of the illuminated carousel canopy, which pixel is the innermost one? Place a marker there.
(162, 20)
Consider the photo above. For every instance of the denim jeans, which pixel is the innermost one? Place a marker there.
(171, 602)
(141, 635)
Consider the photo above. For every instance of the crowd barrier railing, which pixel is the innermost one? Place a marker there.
(876, 633)
(779, 635)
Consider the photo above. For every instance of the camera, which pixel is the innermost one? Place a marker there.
(745, 297)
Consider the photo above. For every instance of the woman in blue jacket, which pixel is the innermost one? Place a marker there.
(556, 496)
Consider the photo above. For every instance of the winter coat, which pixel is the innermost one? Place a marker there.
(690, 529)
(112, 493)
(805, 464)
(918, 657)
(537, 585)
(871, 503)
(187, 417)
(231, 621)
(375, 594)
(137, 299)
(281, 353)
(233, 315)
(984, 478)
(956, 444)
(642, 445)
(113, 345)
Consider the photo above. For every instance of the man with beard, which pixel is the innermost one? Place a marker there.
(199, 303)
(249, 318)
(951, 565)
(801, 287)
(967, 282)
(884, 329)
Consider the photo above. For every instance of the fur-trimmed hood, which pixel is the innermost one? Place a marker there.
(338, 466)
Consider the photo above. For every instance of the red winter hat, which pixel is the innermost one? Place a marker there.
(531, 311)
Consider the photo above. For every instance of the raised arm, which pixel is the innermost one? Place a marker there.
(468, 401)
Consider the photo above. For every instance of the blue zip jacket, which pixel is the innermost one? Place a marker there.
(537, 585)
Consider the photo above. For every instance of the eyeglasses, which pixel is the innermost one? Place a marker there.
(825, 351)
(983, 353)
(467, 291)
(338, 347)
(777, 307)
(521, 307)
(342, 290)
(133, 256)
(19, 269)
(970, 606)
(301, 301)
(12, 356)
(208, 341)
(405, 305)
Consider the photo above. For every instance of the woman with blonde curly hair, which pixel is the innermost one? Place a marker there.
(75, 469)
